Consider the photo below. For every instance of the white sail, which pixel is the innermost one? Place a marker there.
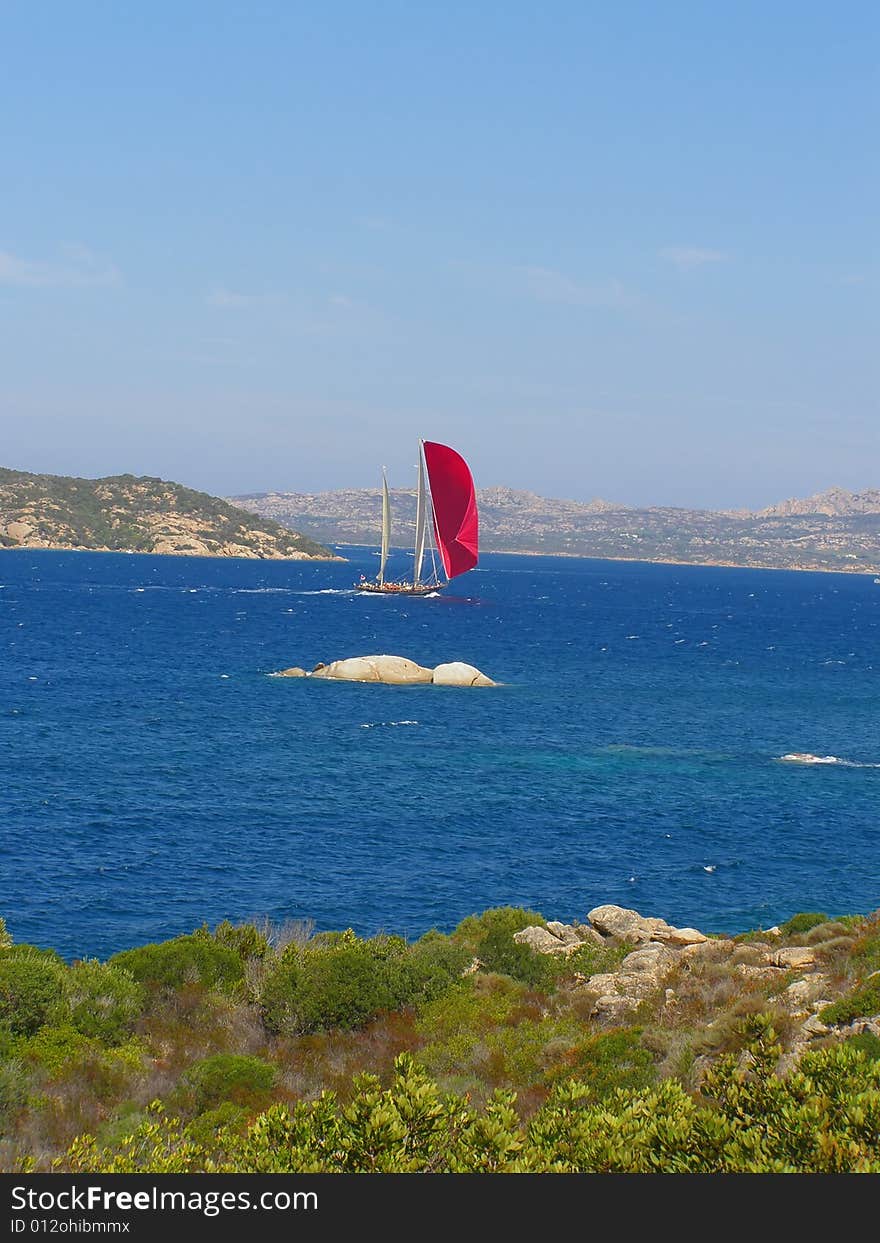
(421, 525)
(386, 527)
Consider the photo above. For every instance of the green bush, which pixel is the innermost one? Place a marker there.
(456, 1025)
(338, 980)
(612, 1060)
(432, 966)
(590, 959)
(205, 1129)
(823, 1117)
(802, 922)
(13, 1088)
(104, 1000)
(860, 1003)
(184, 960)
(23, 950)
(502, 920)
(340, 985)
(32, 991)
(245, 939)
(229, 1077)
(498, 952)
(54, 1048)
(867, 1043)
(489, 937)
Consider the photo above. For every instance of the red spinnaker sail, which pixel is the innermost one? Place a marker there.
(455, 508)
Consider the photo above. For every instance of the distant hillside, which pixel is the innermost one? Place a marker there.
(126, 513)
(836, 502)
(834, 531)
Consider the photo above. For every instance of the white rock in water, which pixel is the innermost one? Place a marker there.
(394, 670)
(459, 674)
(293, 672)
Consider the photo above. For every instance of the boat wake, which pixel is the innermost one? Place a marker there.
(805, 757)
(387, 724)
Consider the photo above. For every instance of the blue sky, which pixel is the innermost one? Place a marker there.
(621, 250)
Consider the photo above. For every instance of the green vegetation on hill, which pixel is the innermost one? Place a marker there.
(127, 513)
(261, 1049)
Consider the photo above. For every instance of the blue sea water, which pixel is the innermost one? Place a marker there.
(154, 775)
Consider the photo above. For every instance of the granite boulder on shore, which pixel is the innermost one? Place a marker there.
(393, 671)
(654, 963)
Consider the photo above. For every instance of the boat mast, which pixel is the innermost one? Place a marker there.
(386, 528)
(419, 552)
(427, 507)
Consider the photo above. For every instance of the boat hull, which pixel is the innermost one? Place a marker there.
(399, 589)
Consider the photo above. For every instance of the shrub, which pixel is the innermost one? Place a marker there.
(340, 981)
(867, 1043)
(247, 940)
(802, 922)
(229, 1077)
(498, 952)
(5, 938)
(455, 1026)
(53, 1048)
(823, 1117)
(13, 1088)
(860, 1003)
(434, 965)
(206, 1128)
(104, 1000)
(31, 991)
(23, 950)
(612, 1060)
(338, 985)
(591, 959)
(184, 960)
(473, 930)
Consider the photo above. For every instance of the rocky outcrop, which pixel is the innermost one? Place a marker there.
(639, 976)
(556, 938)
(628, 925)
(393, 671)
(459, 674)
(19, 531)
(661, 950)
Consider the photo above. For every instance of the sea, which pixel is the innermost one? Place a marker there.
(155, 775)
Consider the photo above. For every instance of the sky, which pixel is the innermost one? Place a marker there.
(625, 250)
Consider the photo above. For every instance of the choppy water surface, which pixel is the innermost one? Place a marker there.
(153, 776)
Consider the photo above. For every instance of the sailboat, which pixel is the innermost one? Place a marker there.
(446, 506)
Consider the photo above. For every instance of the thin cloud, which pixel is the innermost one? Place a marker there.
(548, 285)
(230, 299)
(691, 256)
(77, 268)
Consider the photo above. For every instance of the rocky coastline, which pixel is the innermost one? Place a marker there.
(794, 969)
(513, 1043)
